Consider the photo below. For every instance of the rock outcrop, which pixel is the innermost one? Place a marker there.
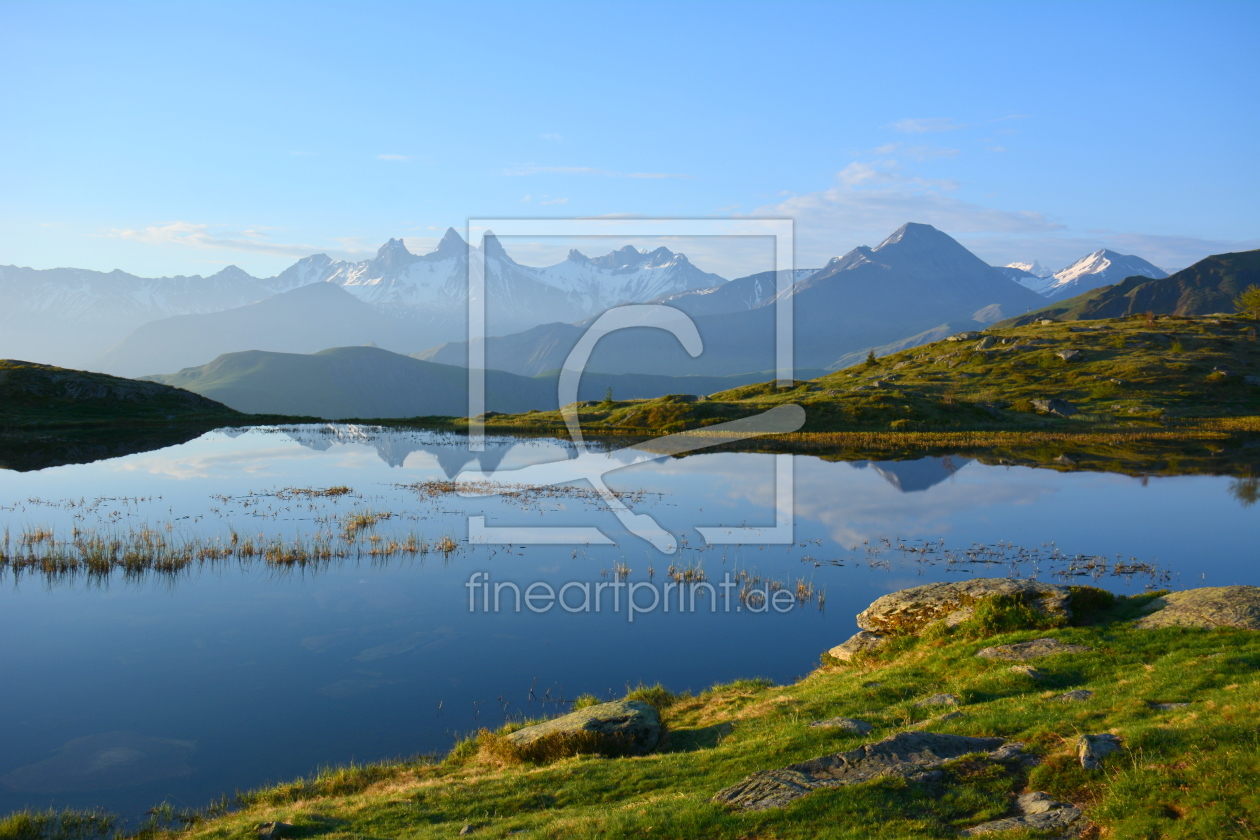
(1035, 649)
(1092, 749)
(1037, 811)
(1213, 606)
(859, 643)
(908, 611)
(909, 755)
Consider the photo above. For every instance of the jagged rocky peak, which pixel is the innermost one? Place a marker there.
(393, 246)
(393, 255)
(626, 257)
(494, 248)
(577, 256)
(451, 245)
(662, 257)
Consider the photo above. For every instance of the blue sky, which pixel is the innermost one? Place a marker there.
(171, 138)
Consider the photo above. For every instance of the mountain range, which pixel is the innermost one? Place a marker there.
(1101, 268)
(917, 286)
(1209, 286)
(76, 317)
(919, 282)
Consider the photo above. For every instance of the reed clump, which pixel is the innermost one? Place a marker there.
(136, 552)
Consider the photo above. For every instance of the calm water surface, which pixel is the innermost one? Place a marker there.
(125, 693)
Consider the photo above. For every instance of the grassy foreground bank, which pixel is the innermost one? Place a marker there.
(1183, 772)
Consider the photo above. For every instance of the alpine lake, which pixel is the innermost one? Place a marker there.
(251, 605)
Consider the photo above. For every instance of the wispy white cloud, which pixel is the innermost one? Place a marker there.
(213, 237)
(871, 199)
(535, 169)
(554, 201)
(925, 125)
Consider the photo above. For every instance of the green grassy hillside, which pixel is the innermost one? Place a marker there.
(1208, 286)
(367, 382)
(1126, 373)
(42, 395)
(1182, 701)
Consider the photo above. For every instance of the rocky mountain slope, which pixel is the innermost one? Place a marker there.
(918, 282)
(1210, 285)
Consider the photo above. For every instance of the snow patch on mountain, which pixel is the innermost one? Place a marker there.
(1034, 268)
(1101, 268)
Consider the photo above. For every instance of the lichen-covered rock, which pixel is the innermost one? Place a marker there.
(847, 724)
(859, 643)
(1212, 606)
(1092, 749)
(622, 727)
(908, 755)
(939, 700)
(908, 611)
(1037, 811)
(1035, 649)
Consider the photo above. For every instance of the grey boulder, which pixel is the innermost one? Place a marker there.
(1076, 696)
(1057, 407)
(622, 727)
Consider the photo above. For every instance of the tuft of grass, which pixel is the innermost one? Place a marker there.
(657, 696)
(585, 701)
(51, 824)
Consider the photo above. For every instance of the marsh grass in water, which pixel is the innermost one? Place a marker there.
(136, 552)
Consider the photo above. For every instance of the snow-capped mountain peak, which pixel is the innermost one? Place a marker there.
(1101, 268)
(1034, 268)
(451, 245)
